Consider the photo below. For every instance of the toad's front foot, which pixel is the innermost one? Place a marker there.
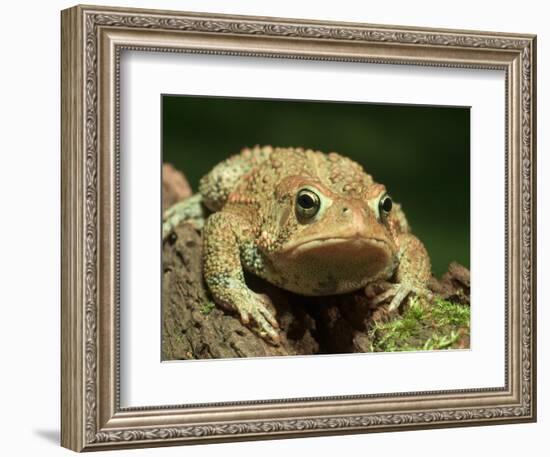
(412, 274)
(255, 313)
(398, 293)
(225, 278)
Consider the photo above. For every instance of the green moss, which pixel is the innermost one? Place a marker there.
(207, 307)
(449, 313)
(440, 324)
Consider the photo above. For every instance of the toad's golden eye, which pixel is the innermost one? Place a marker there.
(385, 205)
(308, 204)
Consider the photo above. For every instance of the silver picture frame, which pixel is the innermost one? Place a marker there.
(93, 39)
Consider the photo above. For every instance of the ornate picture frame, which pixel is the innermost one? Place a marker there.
(93, 39)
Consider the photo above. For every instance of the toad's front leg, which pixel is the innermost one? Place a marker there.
(224, 276)
(412, 274)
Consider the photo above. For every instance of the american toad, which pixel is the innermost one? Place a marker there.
(308, 222)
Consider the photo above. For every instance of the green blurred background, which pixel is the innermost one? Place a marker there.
(420, 153)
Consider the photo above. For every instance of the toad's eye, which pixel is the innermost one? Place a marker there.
(307, 204)
(385, 205)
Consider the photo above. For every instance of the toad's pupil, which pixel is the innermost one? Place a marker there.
(306, 201)
(387, 204)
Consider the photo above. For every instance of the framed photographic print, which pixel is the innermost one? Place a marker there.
(282, 228)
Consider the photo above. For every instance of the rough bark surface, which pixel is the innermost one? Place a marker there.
(175, 186)
(454, 285)
(194, 328)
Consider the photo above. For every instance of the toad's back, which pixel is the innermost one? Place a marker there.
(254, 173)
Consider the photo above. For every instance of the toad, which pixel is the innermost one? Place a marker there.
(308, 222)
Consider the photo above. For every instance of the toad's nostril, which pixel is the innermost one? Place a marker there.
(345, 210)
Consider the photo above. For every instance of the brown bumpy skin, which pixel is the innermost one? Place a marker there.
(308, 222)
(224, 275)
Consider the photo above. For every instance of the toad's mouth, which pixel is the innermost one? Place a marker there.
(337, 242)
(341, 251)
